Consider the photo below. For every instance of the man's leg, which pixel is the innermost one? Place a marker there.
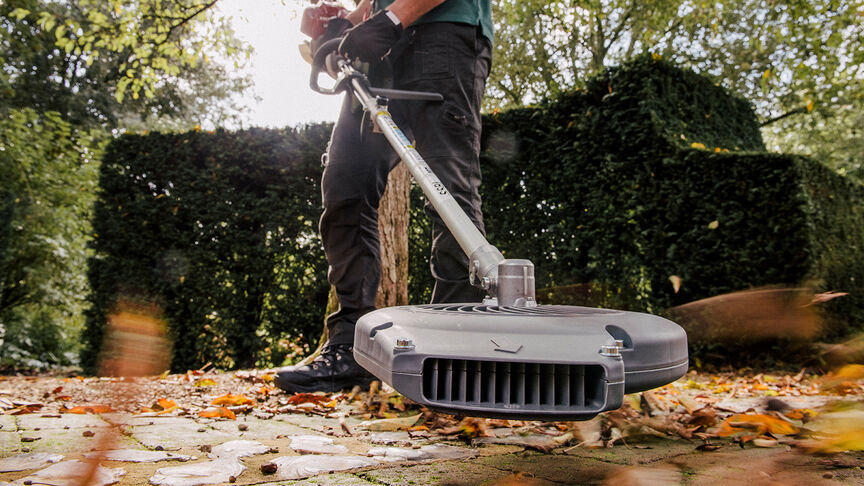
(454, 60)
(354, 179)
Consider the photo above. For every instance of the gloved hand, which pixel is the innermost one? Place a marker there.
(371, 40)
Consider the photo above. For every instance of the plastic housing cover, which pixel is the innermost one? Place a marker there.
(541, 363)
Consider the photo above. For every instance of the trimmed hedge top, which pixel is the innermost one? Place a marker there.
(651, 172)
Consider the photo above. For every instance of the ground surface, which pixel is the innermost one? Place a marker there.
(703, 429)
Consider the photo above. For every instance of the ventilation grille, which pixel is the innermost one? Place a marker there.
(541, 310)
(508, 385)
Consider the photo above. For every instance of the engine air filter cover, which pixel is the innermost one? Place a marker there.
(543, 363)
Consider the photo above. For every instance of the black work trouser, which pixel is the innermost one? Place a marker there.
(448, 58)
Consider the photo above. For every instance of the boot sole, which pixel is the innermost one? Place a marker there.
(329, 387)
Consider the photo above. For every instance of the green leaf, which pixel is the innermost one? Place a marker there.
(19, 13)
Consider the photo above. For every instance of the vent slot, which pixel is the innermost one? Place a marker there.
(513, 385)
(542, 310)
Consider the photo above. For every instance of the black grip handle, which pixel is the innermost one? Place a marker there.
(318, 61)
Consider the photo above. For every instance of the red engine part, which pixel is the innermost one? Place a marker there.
(315, 18)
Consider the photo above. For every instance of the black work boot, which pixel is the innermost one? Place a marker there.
(333, 370)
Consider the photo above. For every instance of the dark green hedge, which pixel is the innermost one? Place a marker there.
(603, 188)
(219, 230)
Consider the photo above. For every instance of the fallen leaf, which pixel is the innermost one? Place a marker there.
(165, 403)
(313, 398)
(217, 412)
(203, 382)
(232, 400)
(761, 423)
(390, 424)
(82, 409)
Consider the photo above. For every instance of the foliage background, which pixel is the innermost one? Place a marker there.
(651, 171)
(219, 231)
(76, 73)
(799, 62)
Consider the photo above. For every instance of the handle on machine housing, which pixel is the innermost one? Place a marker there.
(344, 79)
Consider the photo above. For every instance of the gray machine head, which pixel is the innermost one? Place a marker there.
(541, 363)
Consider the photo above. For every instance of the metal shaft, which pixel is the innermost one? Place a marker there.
(484, 259)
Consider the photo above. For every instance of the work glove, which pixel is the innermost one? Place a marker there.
(371, 40)
(335, 28)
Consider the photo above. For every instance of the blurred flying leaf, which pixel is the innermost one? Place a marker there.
(676, 283)
(840, 428)
(750, 315)
(843, 381)
(761, 423)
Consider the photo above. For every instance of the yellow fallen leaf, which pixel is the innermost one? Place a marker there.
(166, 403)
(205, 382)
(232, 400)
(698, 145)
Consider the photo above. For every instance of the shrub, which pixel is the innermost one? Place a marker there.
(653, 172)
(219, 230)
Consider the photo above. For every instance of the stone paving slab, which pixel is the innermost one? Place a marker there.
(10, 442)
(70, 421)
(555, 468)
(643, 451)
(178, 435)
(317, 422)
(7, 423)
(257, 429)
(325, 480)
(126, 419)
(467, 472)
(68, 440)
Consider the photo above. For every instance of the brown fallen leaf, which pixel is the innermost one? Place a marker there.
(706, 447)
(391, 424)
(313, 398)
(704, 417)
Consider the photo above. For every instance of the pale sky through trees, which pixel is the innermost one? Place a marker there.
(280, 75)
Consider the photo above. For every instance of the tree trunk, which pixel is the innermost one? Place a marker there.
(393, 216)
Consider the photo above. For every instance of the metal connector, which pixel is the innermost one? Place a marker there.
(403, 345)
(610, 351)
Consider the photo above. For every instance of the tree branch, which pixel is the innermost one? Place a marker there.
(796, 111)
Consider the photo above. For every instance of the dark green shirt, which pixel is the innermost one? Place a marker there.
(474, 12)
